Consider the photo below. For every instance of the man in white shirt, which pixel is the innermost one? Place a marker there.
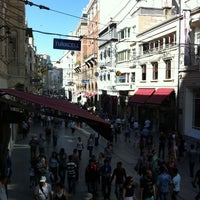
(43, 190)
(176, 182)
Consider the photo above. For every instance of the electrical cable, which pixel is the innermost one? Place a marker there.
(56, 34)
(78, 37)
(127, 13)
(121, 9)
(64, 35)
(46, 8)
(56, 11)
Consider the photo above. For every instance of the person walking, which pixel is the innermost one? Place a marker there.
(55, 136)
(164, 183)
(48, 135)
(90, 144)
(140, 166)
(53, 165)
(60, 193)
(75, 158)
(80, 147)
(147, 186)
(71, 169)
(176, 183)
(162, 144)
(9, 169)
(62, 160)
(108, 151)
(105, 173)
(72, 127)
(128, 133)
(41, 143)
(33, 143)
(129, 189)
(119, 174)
(96, 138)
(192, 158)
(43, 190)
(32, 176)
(91, 177)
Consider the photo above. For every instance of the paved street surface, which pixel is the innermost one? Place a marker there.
(19, 189)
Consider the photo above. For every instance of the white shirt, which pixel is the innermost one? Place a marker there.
(147, 123)
(177, 182)
(136, 125)
(45, 195)
(96, 135)
(80, 145)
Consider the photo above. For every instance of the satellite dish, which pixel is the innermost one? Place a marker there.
(118, 73)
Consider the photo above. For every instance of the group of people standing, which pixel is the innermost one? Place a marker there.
(48, 172)
(159, 173)
(157, 166)
(100, 175)
(55, 176)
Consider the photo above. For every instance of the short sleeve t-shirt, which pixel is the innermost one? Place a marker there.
(43, 194)
(176, 181)
(147, 185)
(163, 182)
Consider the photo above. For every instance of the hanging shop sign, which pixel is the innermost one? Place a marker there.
(74, 45)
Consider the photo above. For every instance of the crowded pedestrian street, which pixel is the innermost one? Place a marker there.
(123, 151)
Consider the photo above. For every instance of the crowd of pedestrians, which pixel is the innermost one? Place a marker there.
(157, 164)
(55, 176)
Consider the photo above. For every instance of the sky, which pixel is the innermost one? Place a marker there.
(59, 19)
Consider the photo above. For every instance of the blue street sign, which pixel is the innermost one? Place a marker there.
(74, 45)
(85, 81)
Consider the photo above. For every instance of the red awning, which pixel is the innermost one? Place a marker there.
(64, 106)
(159, 95)
(142, 95)
(87, 94)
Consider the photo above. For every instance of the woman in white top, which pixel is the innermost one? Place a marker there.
(90, 144)
(79, 147)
